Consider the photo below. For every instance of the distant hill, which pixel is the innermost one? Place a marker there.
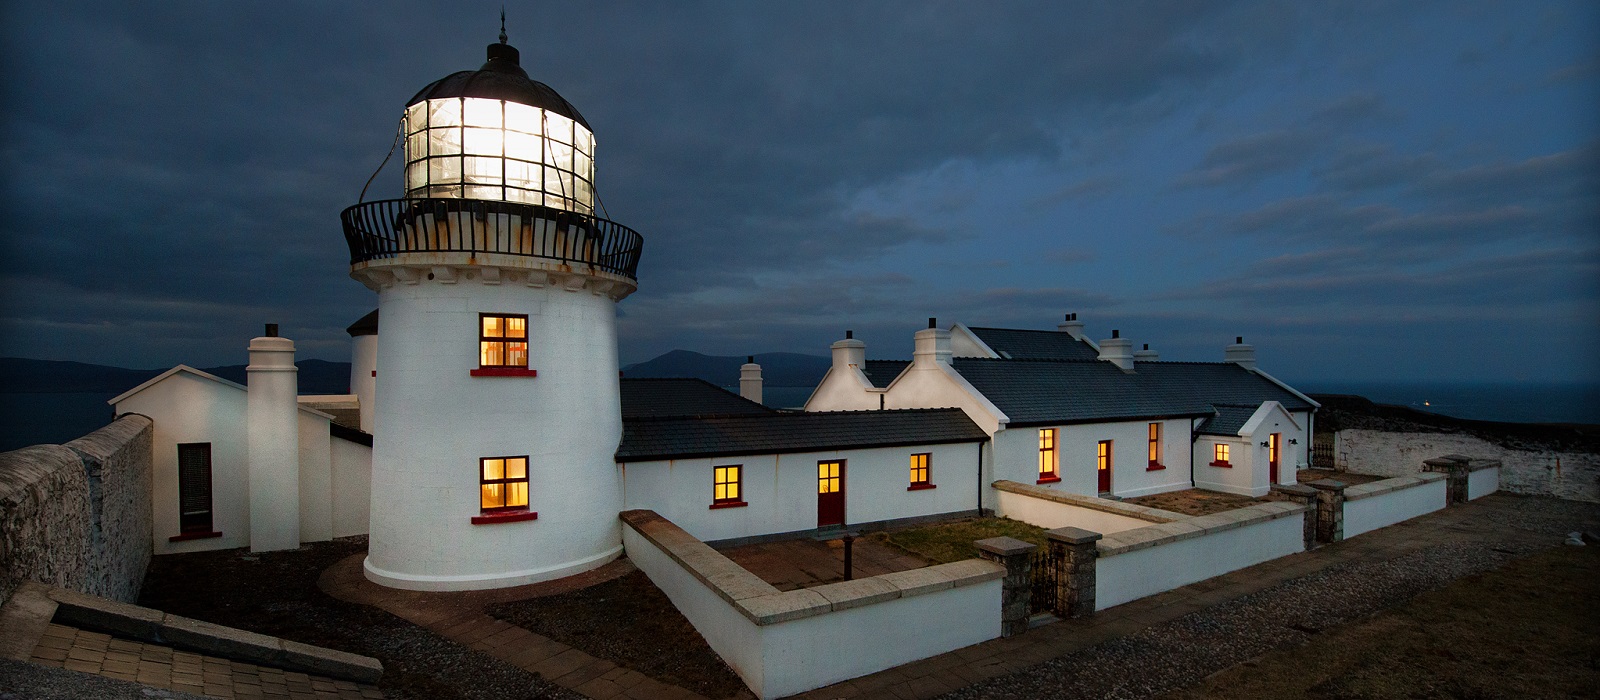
(777, 368)
(24, 376)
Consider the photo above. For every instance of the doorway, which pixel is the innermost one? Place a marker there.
(1273, 441)
(1103, 464)
(830, 493)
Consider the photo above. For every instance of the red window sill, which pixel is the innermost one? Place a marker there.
(921, 487)
(510, 516)
(1222, 464)
(1155, 466)
(504, 372)
(1049, 479)
(185, 537)
(728, 504)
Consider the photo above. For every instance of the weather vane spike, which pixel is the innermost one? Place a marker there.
(502, 24)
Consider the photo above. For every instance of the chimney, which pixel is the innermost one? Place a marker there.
(849, 352)
(1146, 355)
(1071, 326)
(750, 379)
(272, 443)
(1118, 351)
(1240, 354)
(933, 345)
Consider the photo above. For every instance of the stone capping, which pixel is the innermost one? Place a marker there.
(1447, 461)
(147, 625)
(1167, 533)
(1378, 488)
(763, 604)
(1127, 510)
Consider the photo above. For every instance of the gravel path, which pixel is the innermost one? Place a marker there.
(1173, 655)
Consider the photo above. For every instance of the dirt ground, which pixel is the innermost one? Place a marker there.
(943, 543)
(1195, 501)
(1527, 630)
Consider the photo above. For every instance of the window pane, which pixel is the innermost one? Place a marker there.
(443, 170)
(416, 175)
(444, 142)
(494, 469)
(416, 145)
(523, 118)
(524, 146)
(583, 140)
(518, 496)
(517, 468)
(492, 353)
(416, 117)
(493, 496)
(482, 171)
(481, 112)
(560, 127)
(721, 492)
(516, 327)
(484, 142)
(517, 354)
(445, 112)
(492, 326)
(558, 154)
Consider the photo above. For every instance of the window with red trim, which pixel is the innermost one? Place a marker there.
(1155, 446)
(921, 471)
(727, 488)
(503, 341)
(503, 483)
(1047, 455)
(1221, 456)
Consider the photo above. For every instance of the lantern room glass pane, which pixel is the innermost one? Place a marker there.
(416, 175)
(417, 145)
(443, 170)
(444, 142)
(559, 127)
(416, 117)
(523, 146)
(523, 118)
(520, 174)
(558, 154)
(482, 171)
(446, 112)
(484, 142)
(482, 112)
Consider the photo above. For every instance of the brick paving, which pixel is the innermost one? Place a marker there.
(793, 564)
(951, 671)
(162, 667)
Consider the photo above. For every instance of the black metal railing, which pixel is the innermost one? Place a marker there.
(389, 227)
(1045, 575)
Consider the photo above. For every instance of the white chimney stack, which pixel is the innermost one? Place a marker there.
(750, 379)
(1118, 351)
(1146, 355)
(1071, 326)
(1240, 354)
(849, 353)
(272, 438)
(933, 345)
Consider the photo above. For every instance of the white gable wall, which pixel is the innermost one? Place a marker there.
(937, 385)
(843, 389)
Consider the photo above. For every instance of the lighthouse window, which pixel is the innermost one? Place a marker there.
(504, 483)
(503, 340)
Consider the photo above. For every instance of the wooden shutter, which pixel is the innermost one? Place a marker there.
(194, 487)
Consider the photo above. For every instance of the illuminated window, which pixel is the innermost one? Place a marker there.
(1103, 465)
(480, 148)
(728, 487)
(504, 483)
(828, 474)
(503, 340)
(921, 472)
(1221, 456)
(1047, 455)
(1155, 445)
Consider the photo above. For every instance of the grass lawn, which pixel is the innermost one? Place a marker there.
(1528, 630)
(947, 542)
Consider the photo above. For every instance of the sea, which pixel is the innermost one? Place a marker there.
(31, 419)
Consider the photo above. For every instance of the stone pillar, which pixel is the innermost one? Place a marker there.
(1075, 552)
(1330, 509)
(1016, 591)
(1306, 496)
(1455, 468)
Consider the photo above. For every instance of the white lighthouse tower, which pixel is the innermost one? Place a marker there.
(497, 413)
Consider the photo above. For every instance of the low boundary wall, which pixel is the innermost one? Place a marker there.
(1053, 508)
(782, 643)
(1368, 507)
(1149, 560)
(1482, 481)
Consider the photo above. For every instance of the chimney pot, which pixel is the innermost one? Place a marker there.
(1238, 340)
(272, 330)
(751, 359)
(933, 322)
(1116, 333)
(1147, 346)
(849, 334)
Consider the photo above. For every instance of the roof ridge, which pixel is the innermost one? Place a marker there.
(1017, 330)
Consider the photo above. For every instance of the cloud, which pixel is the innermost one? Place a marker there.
(1250, 157)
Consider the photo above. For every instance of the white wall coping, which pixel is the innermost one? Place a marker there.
(1129, 510)
(763, 604)
(1165, 533)
(1378, 488)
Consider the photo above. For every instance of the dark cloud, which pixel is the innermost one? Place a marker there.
(1250, 157)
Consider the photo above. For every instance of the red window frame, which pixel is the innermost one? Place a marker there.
(1049, 456)
(1221, 452)
(508, 366)
(1155, 448)
(727, 486)
(921, 471)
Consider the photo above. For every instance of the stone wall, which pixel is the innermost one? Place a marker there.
(78, 515)
(1529, 469)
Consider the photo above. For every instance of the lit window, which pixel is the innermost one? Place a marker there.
(1047, 455)
(1222, 455)
(504, 483)
(503, 340)
(921, 475)
(483, 148)
(1103, 455)
(828, 474)
(729, 486)
(1155, 444)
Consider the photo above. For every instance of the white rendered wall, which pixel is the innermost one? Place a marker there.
(1051, 515)
(843, 389)
(1385, 509)
(272, 432)
(928, 384)
(1077, 457)
(187, 409)
(435, 422)
(363, 376)
(781, 490)
(1482, 483)
(351, 467)
(1239, 478)
(316, 478)
(1134, 575)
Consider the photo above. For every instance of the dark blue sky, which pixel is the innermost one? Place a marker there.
(1380, 191)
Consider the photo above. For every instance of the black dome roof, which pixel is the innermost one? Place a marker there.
(502, 78)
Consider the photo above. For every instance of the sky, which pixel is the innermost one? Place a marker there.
(1364, 191)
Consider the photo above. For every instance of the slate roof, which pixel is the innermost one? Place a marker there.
(1014, 344)
(657, 398)
(782, 432)
(882, 372)
(1041, 392)
(1227, 420)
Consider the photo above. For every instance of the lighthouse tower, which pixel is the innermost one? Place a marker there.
(496, 412)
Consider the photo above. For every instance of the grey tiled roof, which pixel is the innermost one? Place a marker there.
(1014, 344)
(1035, 392)
(882, 372)
(1227, 420)
(648, 439)
(656, 398)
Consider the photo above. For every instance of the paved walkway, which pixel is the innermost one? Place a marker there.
(1484, 520)
(161, 667)
(805, 563)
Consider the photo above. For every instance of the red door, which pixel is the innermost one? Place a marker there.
(1272, 455)
(1103, 463)
(830, 493)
